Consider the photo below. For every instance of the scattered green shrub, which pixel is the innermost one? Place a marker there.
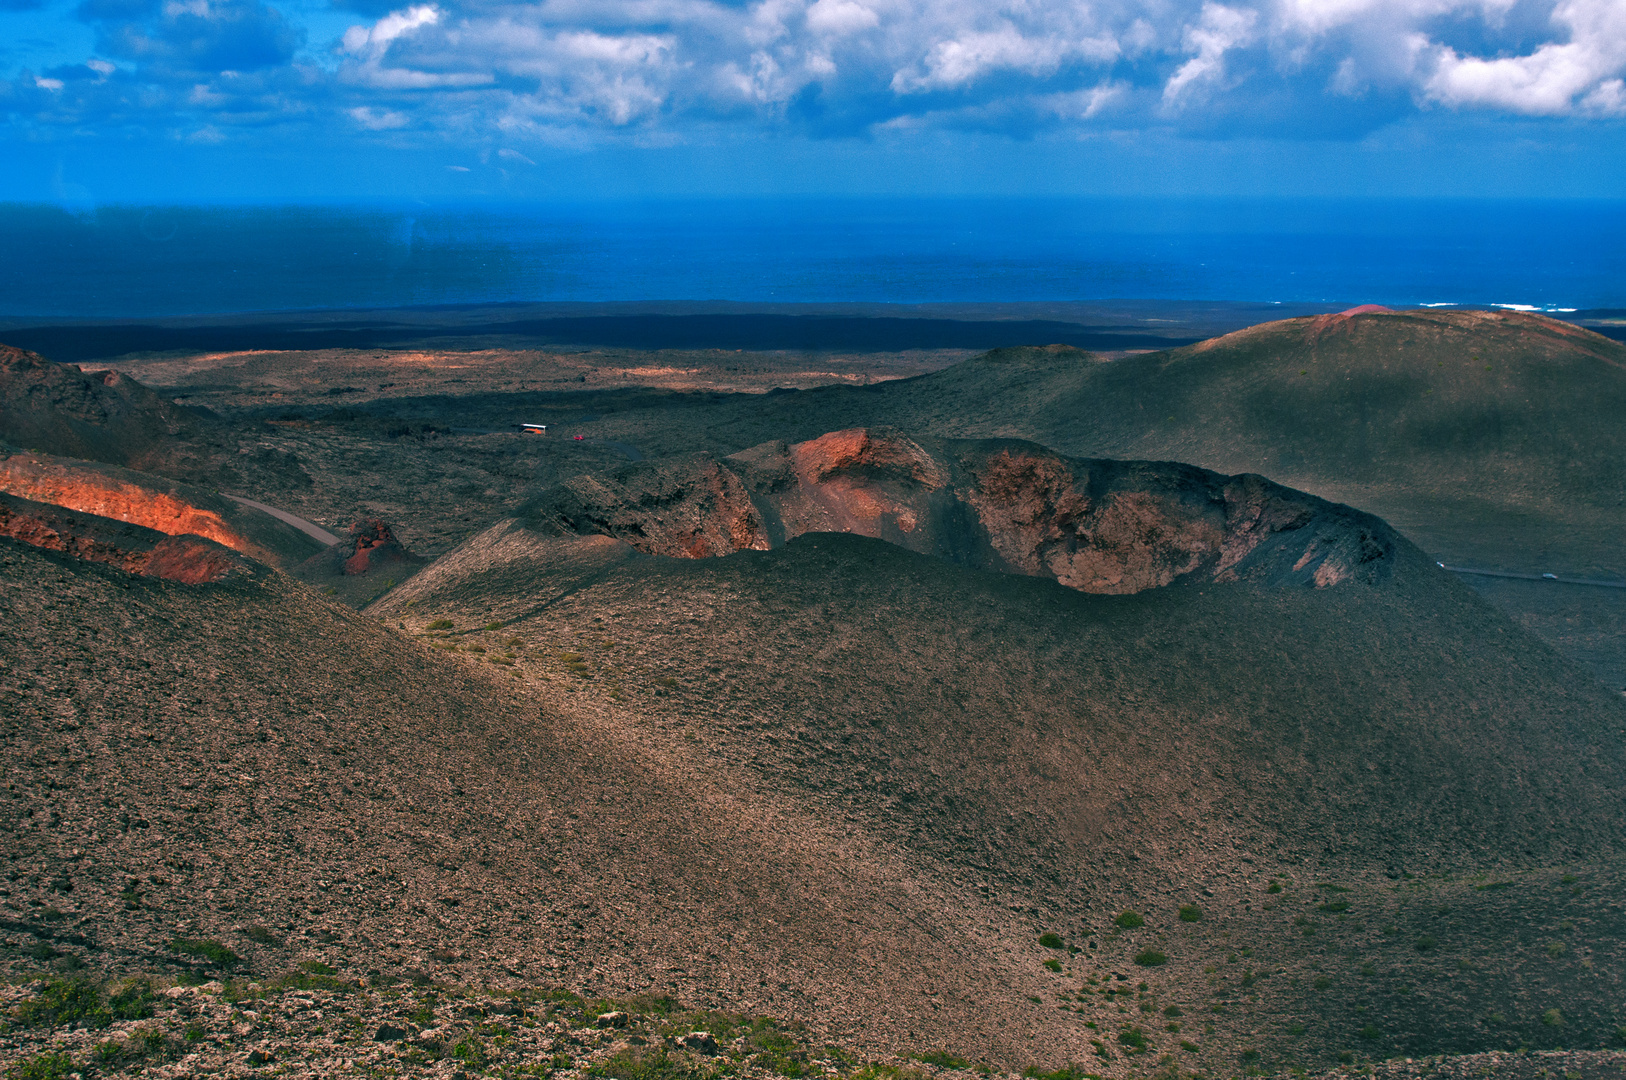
(1335, 906)
(1052, 965)
(1051, 941)
(54, 1066)
(1150, 958)
(1425, 943)
(133, 1001)
(316, 967)
(470, 1052)
(206, 949)
(65, 1001)
(1130, 920)
(1191, 913)
(1066, 1072)
(492, 626)
(1552, 1018)
(261, 935)
(1133, 1037)
(943, 1059)
(440, 624)
(1172, 1011)
(1275, 887)
(1369, 1032)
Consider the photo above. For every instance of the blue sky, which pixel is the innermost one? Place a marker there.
(112, 100)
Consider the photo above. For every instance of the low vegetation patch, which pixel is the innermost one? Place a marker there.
(206, 949)
(943, 1060)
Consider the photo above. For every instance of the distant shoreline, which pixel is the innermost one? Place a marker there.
(1118, 325)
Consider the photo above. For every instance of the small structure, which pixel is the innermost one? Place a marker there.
(534, 429)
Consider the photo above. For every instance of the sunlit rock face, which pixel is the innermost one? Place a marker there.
(1094, 525)
(92, 491)
(134, 549)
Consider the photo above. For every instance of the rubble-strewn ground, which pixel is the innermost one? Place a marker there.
(312, 1024)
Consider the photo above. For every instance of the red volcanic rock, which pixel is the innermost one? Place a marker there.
(1097, 526)
(371, 543)
(190, 560)
(1363, 309)
(90, 491)
(359, 567)
(692, 507)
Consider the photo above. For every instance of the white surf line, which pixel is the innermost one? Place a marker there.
(314, 531)
(1535, 577)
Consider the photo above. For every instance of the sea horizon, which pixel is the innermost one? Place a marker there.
(138, 261)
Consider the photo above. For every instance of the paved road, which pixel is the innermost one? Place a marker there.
(1554, 578)
(314, 531)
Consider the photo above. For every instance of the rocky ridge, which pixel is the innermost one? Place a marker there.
(184, 558)
(152, 502)
(1097, 526)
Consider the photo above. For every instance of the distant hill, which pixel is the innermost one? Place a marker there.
(109, 417)
(1444, 422)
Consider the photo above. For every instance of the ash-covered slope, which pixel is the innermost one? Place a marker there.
(247, 763)
(1513, 409)
(1070, 755)
(99, 415)
(1097, 526)
(1380, 724)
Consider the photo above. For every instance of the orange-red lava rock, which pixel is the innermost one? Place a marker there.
(91, 491)
(190, 560)
(371, 544)
(1094, 525)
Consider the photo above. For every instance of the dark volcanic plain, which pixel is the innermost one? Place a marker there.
(962, 744)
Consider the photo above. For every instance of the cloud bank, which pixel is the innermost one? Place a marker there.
(574, 72)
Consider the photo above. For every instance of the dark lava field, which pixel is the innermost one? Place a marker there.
(860, 715)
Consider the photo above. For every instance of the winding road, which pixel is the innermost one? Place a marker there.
(1554, 578)
(316, 532)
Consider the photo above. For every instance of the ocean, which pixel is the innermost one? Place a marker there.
(156, 261)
